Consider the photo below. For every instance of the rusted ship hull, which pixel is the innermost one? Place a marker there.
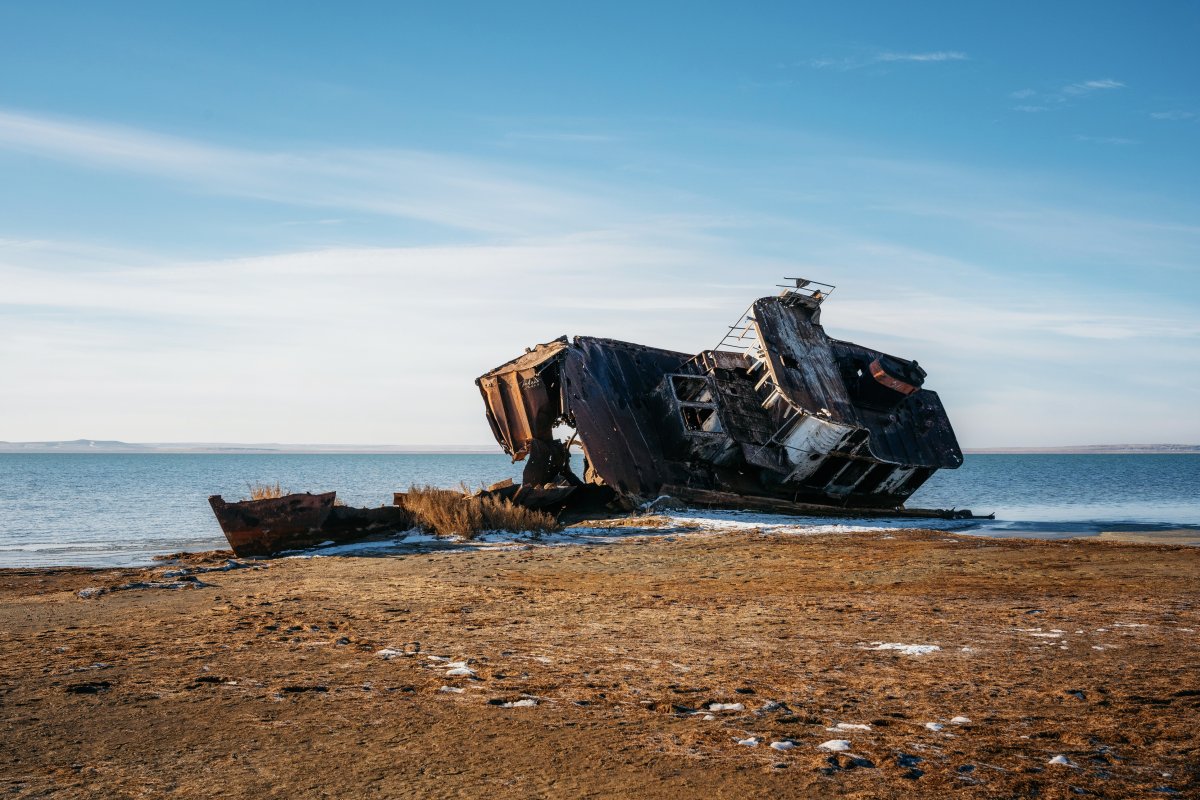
(297, 521)
(779, 414)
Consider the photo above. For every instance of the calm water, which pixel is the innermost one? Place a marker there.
(97, 509)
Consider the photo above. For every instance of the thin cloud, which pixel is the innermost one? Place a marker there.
(1045, 101)
(939, 55)
(450, 191)
(1174, 115)
(887, 57)
(1087, 87)
(1116, 140)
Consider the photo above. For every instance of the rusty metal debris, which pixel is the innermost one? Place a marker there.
(778, 416)
(294, 521)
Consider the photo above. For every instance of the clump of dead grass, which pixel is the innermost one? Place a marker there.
(266, 491)
(445, 512)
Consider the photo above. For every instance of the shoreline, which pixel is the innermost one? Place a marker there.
(293, 676)
(695, 521)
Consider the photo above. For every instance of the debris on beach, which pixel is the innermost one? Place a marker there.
(274, 524)
(777, 417)
(185, 582)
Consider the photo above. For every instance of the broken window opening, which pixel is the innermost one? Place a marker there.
(700, 418)
(691, 389)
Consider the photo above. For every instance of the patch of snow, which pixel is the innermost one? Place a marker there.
(1047, 635)
(726, 707)
(784, 745)
(934, 726)
(1061, 761)
(960, 720)
(460, 672)
(751, 742)
(388, 653)
(1130, 625)
(528, 702)
(708, 718)
(834, 746)
(783, 524)
(452, 689)
(850, 726)
(906, 649)
(437, 658)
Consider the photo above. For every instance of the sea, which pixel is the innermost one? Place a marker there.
(107, 510)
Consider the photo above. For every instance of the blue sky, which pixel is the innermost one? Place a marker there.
(307, 223)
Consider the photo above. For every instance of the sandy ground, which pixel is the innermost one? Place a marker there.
(592, 671)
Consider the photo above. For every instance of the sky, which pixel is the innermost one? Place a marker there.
(319, 223)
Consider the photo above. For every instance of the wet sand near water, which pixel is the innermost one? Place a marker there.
(883, 664)
(1181, 536)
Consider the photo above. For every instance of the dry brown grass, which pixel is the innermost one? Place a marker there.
(265, 491)
(444, 512)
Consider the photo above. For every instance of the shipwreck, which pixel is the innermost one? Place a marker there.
(778, 416)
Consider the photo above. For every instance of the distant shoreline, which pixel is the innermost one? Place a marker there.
(1094, 449)
(112, 447)
(234, 448)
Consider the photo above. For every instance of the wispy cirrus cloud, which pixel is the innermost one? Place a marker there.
(937, 55)
(1046, 100)
(1174, 115)
(446, 190)
(1087, 87)
(1117, 140)
(887, 57)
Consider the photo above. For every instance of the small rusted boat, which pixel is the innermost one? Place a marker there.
(296, 521)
